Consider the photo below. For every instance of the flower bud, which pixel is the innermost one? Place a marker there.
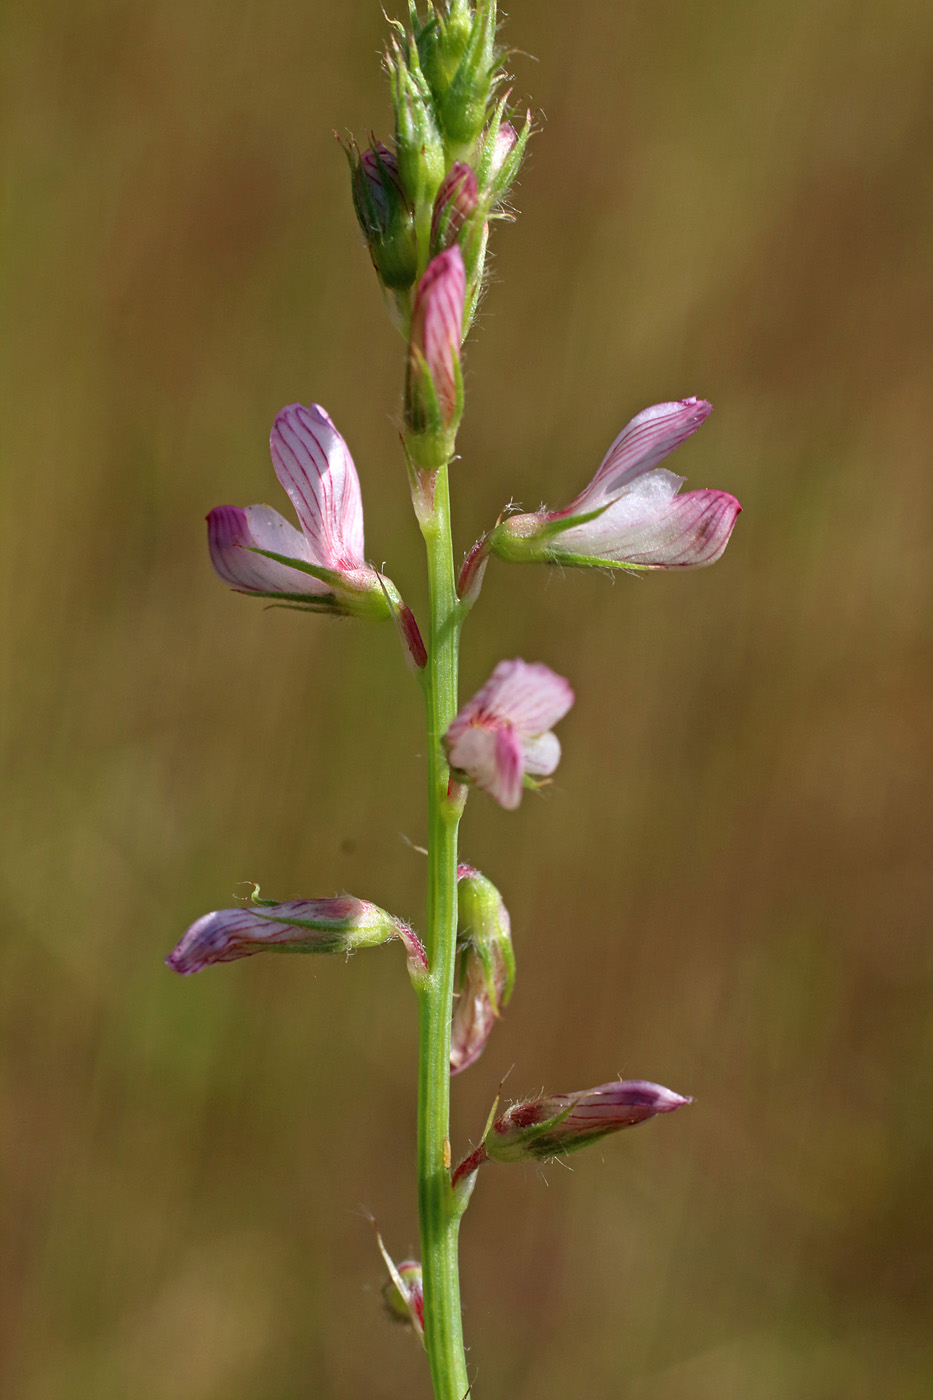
(434, 387)
(485, 966)
(418, 142)
(459, 59)
(340, 925)
(456, 200)
(499, 154)
(384, 215)
(563, 1123)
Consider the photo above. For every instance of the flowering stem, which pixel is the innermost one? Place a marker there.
(438, 1213)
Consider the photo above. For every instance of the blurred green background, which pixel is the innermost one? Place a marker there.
(727, 888)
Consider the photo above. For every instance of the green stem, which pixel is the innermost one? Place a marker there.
(439, 1219)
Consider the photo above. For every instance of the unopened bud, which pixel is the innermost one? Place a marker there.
(459, 60)
(418, 143)
(563, 1123)
(434, 388)
(485, 966)
(384, 215)
(340, 925)
(499, 154)
(456, 200)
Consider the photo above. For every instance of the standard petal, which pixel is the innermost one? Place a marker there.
(529, 695)
(314, 465)
(641, 445)
(686, 532)
(232, 533)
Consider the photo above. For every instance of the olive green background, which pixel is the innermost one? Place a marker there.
(726, 889)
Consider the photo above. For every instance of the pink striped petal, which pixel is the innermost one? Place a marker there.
(437, 325)
(644, 442)
(233, 532)
(314, 465)
(650, 527)
(529, 695)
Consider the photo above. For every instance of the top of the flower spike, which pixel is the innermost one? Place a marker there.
(255, 550)
(630, 514)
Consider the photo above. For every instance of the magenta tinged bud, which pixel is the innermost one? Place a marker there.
(434, 389)
(630, 516)
(340, 925)
(562, 1123)
(485, 966)
(384, 215)
(502, 736)
(457, 199)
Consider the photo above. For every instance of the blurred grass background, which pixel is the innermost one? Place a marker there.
(728, 887)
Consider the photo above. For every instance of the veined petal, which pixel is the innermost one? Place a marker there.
(541, 755)
(531, 696)
(314, 465)
(681, 532)
(492, 756)
(232, 533)
(644, 442)
(437, 326)
(323, 926)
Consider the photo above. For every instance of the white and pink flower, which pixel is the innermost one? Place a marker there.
(631, 515)
(322, 565)
(504, 733)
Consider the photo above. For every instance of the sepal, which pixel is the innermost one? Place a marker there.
(403, 1294)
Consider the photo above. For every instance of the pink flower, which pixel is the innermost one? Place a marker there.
(339, 925)
(630, 515)
(503, 733)
(255, 550)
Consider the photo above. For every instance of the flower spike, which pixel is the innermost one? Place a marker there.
(255, 550)
(503, 733)
(630, 515)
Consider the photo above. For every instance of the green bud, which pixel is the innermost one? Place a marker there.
(459, 60)
(418, 142)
